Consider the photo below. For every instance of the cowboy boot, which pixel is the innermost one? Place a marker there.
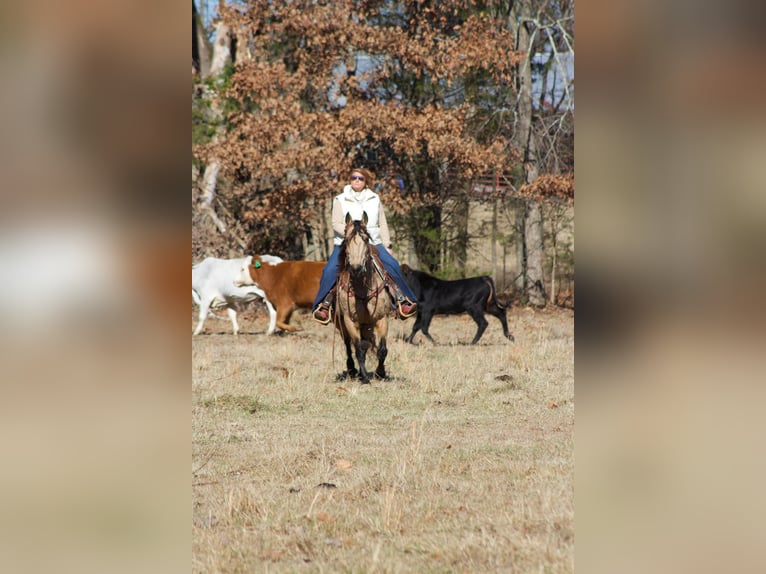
(403, 305)
(323, 313)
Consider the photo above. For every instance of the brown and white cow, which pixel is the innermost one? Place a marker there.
(290, 285)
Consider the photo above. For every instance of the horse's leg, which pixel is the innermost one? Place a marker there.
(350, 368)
(381, 330)
(348, 330)
(361, 356)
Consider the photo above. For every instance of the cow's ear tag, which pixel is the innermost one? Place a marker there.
(257, 264)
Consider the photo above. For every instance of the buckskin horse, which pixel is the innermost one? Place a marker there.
(363, 301)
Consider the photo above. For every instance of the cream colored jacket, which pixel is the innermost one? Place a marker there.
(355, 203)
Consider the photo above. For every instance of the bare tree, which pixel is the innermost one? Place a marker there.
(200, 45)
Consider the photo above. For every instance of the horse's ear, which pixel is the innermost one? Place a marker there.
(348, 218)
(365, 219)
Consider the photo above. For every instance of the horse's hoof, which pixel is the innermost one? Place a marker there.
(364, 381)
(346, 375)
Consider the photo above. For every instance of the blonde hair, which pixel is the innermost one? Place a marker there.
(369, 177)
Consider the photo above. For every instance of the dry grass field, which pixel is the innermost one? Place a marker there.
(462, 462)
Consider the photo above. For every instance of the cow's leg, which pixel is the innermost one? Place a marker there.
(204, 307)
(272, 317)
(499, 312)
(478, 316)
(283, 316)
(232, 312)
(427, 316)
(361, 357)
(415, 328)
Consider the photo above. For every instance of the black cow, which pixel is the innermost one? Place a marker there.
(474, 295)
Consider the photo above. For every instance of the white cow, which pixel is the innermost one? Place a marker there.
(213, 287)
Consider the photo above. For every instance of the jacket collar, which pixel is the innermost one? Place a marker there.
(350, 194)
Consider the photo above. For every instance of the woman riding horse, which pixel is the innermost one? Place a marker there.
(356, 198)
(363, 300)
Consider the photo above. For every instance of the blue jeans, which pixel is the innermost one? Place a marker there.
(330, 274)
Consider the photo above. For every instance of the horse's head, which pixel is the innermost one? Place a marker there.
(357, 244)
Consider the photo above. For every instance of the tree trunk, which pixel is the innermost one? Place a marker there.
(426, 224)
(221, 57)
(493, 238)
(554, 245)
(535, 255)
(519, 213)
(200, 45)
(319, 229)
(221, 49)
(524, 136)
(209, 181)
(460, 249)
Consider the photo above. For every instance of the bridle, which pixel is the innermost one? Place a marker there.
(359, 231)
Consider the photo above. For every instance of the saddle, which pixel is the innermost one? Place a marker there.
(397, 297)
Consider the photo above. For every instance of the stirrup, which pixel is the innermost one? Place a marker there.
(329, 314)
(402, 314)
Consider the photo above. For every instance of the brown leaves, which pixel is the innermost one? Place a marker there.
(288, 135)
(549, 185)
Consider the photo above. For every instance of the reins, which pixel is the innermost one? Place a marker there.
(349, 288)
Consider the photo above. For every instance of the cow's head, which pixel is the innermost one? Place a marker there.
(245, 276)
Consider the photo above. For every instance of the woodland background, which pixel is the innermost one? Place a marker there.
(463, 110)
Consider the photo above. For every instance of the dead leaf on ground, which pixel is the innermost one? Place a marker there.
(324, 517)
(553, 405)
(343, 464)
(341, 389)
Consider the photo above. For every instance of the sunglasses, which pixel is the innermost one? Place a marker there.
(359, 177)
